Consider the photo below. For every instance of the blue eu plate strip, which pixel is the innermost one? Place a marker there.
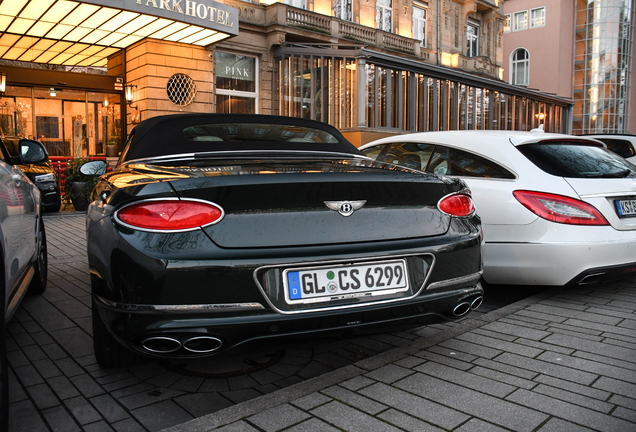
(293, 281)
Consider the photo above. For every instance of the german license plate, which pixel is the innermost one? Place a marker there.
(327, 283)
(626, 207)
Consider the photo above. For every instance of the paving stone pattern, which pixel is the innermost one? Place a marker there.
(56, 385)
(561, 361)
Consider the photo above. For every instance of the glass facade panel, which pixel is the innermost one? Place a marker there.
(441, 94)
(432, 104)
(104, 117)
(16, 112)
(479, 109)
(471, 106)
(371, 96)
(297, 101)
(67, 122)
(463, 107)
(421, 112)
(383, 81)
(602, 76)
(234, 104)
(449, 113)
(510, 112)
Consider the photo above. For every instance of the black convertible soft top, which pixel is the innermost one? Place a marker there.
(202, 133)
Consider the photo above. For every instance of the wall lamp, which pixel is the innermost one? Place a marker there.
(3, 83)
(128, 93)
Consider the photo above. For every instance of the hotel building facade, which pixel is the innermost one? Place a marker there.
(80, 74)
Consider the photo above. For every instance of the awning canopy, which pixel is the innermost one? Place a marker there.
(85, 33)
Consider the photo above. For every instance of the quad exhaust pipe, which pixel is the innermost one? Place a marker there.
(201, 344)
(466, 306)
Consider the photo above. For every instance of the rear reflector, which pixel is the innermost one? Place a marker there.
(169, 215)
(559, 208)
(458, 204)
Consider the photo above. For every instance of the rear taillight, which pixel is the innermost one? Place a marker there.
(560, 209)
(170, 215)
(458, 204)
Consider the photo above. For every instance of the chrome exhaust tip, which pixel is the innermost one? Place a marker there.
(461, 309)
(202, 344)
(476, 302)
(592, 278)
(161, 344)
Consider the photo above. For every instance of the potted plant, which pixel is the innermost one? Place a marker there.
(77, 186)
(111, 148)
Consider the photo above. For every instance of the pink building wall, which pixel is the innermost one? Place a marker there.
(631, 127)
(551, 47)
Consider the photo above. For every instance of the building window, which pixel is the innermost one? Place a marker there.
(181, 89)
(520, 20)
(236, 83)
(507, 23)
(420, 14)
(300, 4)
(342, 9)
(383, 15)
(537, 17)
(520, 66)
(472, 40)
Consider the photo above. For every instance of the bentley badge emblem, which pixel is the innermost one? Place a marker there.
(345, 208)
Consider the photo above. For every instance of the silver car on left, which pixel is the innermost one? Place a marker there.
(22, 243)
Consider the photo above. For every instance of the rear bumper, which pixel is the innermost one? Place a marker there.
(180, 288)
(558, 264)
(203, 333)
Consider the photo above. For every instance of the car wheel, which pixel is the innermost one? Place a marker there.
(108, 352)
(38, 283)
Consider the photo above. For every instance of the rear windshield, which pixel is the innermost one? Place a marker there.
(577, 161)
(620, 147)
(257, 132)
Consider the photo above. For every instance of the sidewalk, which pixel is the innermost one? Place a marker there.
(561, 361)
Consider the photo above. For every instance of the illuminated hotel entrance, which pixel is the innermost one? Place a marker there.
(66, 66)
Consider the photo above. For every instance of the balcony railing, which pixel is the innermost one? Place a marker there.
(285, 15)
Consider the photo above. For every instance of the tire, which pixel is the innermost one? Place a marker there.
(38, 283)
(108, 352)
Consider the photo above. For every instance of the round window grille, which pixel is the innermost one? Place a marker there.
(181, 89)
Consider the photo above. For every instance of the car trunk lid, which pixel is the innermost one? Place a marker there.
(284, 203)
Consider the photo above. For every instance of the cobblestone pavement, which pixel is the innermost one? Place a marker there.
(56, 384)
(560, 361)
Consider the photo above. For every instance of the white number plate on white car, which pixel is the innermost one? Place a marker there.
(327, 283)
(626, 207)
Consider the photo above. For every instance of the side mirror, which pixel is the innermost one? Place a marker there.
(95, 168)
(32, 152)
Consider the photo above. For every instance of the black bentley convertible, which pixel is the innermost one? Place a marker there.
(217, 230)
